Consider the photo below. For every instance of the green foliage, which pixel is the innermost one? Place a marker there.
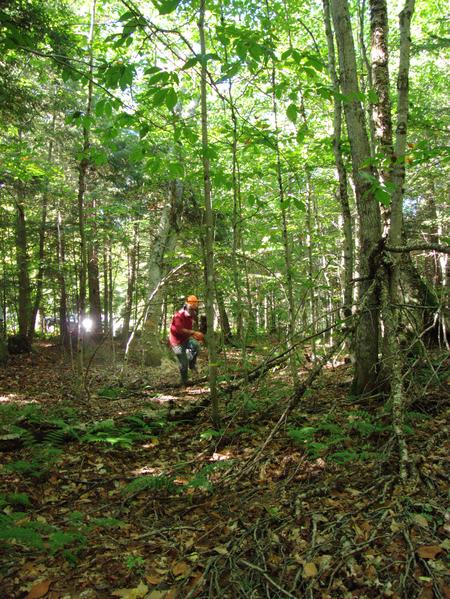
(39, 466)
(23, 533)
(15, 500)
(109, 392)
(108, 431)
(20, 528)
(151, 483)
(135, 563)
(340, 442)
(202, 478)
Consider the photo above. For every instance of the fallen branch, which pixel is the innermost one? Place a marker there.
(267, 577)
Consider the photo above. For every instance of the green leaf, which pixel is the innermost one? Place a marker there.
(176, 170)
(167, 6)
(126, 77)
(136, 154)
(171, 98)
(315, 62)
(292, 112)
(126, 16)
(382, 196)
(190, 62)
(107, 108)
(100, 107)
(159, 97)
(301, 133)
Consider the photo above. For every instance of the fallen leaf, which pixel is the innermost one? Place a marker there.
(157, 595)
(181, 569)
(39, 590)
(429, 551)
(446, 591)
(171, 594)
(221, 550)
(426, 592)
(310, 570)
(420, 520)
(137, 593)
(154, 578)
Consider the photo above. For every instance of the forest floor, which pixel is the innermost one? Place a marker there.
(132, 493)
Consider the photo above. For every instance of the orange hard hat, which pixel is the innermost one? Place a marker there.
(192, 299)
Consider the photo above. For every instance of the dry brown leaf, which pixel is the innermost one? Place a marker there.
(181, 569)
(446, 591)
(39, 590)
(154, 578)
(137, 593)
(310, 570)
(426, 592)
(429, 551)
(171, 594)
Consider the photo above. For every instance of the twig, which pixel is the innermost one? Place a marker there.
(267, 577)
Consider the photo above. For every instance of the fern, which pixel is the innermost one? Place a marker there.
(201, 480)
(302, 435)
(17, 499)
(60, 539)
(107, 522)
(151, 483)
(23, 534)
(27, 437)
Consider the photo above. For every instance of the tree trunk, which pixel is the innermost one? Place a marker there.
(41, 253)
(366, 345)
(286, 239)
(395, 233)
(131, 283)
(63, 326)
(347, 228)
(224, 322)
(95, 309)
(106, 323)
(24, 309)
(82, 178)
(164, 242)
(209, 224)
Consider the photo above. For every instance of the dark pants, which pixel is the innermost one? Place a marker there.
(186, 354)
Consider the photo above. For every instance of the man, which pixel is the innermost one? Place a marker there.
(183, 339)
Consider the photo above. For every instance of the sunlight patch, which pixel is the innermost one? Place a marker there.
(14, 398)
(145, 470)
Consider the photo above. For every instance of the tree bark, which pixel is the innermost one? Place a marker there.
(164, 242)
(63, 326)
(131, 283)
(347, 227)
(393, 356)
(82, 178)
(22, 261)
(224, 321)
(42, 228)
(366, 343)
(95, 309)
(209, 224)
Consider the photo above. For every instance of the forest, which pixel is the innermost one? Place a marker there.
(224, 285)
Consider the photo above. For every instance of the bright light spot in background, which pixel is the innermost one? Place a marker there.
(16, 399)
(146, 470)
(87, 324)
(10, 397)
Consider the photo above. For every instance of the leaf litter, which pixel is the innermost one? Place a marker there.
(321, 512)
